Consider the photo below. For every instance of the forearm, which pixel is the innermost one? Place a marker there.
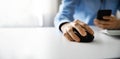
(65, 13)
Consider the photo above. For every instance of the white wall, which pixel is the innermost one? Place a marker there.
(20, 13)
(50, 11)
(27, 13)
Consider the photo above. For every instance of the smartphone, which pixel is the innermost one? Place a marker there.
(102, 13)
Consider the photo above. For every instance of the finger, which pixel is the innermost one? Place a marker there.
(107, 26)
(73, 35)
(98, 24)
(103, 26)
(79, 29)
(86, 27)
(110, 18)
(95, 21)
(89, 29)
(67, 36)
(102, 22)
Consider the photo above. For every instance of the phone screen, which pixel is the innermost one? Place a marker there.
(102, 13)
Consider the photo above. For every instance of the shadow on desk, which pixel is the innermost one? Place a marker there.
(116, 36)
(113, 58)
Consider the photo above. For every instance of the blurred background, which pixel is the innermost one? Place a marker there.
(28, 13)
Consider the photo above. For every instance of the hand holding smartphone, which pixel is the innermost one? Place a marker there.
(102, 13)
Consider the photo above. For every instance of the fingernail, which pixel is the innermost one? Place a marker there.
(104, 16)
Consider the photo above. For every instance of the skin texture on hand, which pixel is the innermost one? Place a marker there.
(81, 27)
(111, 23)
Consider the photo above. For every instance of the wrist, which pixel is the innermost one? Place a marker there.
(62, 25)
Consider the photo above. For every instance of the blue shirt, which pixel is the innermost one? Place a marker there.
(83, 10)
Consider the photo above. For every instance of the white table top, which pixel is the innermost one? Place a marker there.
(46, 43)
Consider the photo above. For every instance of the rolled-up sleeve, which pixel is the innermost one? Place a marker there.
(65, 13)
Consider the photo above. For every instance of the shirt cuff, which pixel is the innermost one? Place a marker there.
(61, 25)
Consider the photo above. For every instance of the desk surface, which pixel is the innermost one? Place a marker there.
(46, 43)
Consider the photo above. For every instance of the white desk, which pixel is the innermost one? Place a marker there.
(46, 43)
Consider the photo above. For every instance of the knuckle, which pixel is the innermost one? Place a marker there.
(77, 39)
(65, 34)
(76, 21)
(69, 30)
(83, 24)
(103, 27)
(75, 24)
(70, 39)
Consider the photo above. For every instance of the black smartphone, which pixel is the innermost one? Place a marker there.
(102, 13)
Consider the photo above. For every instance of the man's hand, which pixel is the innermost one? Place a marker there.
(81, 27)
(111, 23)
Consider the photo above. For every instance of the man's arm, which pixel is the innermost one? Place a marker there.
(65, 13)
(64, 22)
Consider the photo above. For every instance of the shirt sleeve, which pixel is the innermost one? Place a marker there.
(65, 13)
